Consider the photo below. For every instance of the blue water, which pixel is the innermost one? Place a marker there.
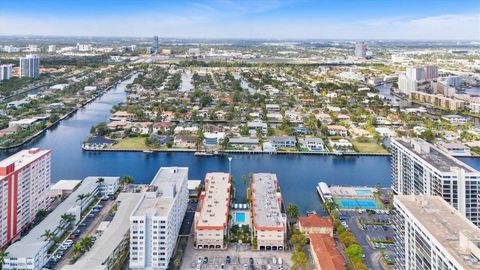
(363, 192)
(297, 175)
(240, 217)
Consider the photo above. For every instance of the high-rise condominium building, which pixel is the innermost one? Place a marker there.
(431, 73)
(419, 168)
(430, 234)
(155, 222)
(269, 223)
(30, 66)
(5, 72)
(23, 191)
(211, 220)
(361, 50)
(155, 44)
(408, 81)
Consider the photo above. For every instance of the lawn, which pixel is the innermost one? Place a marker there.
(370, 146)
(135, 143)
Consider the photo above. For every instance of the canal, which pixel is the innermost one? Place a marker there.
(297, 175)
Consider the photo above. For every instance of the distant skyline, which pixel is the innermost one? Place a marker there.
(262, 19)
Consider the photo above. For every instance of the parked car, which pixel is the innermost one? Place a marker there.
(228, 259)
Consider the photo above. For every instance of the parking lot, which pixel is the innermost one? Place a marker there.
(366, 227)
(239, 258)
(61, 256)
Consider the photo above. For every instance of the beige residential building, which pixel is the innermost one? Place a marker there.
(268, 221)
(438, 100)
(211, 220)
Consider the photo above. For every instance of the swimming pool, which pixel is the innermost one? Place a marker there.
(360, 204)
(363, 192)
(240, 217)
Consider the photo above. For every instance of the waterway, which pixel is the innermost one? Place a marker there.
(297, 175)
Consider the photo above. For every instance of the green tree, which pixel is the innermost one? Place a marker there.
(354, 252)
(293, 212)
(299, 260)
(41, 214)
(3, 255)
(77, 248)
(48, 235)
(298, 240)
(67, 218)
(86, 243)
(81, 198)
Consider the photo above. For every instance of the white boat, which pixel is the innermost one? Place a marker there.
(147, 151)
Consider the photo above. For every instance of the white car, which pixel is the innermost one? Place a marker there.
(245, 267)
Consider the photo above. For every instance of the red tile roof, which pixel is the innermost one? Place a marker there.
(324, 249)
(315, 220)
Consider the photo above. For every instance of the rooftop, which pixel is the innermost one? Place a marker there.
(23, 158)
(433, 156)
(443, 223)
(266, 201)
(65, 185)
(159, 197)
(325, 250)
(315, 220)
(112, 236)
(214, 210)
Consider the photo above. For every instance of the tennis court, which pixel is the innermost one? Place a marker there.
(359, 203)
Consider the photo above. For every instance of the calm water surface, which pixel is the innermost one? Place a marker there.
(297, 175)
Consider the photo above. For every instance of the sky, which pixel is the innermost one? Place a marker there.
(246, 19)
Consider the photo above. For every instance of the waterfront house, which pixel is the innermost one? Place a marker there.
(122, 116)
(211, 139)
(118, 125)
(159, 139)
(9, 131)
(282, 141)
(98, 142)
(244, 141)
(341, 144)
(337, 130)
(23, 123)
(312, 144)
(184, 141)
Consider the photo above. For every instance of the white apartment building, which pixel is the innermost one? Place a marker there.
(23, 191)
(5, 72)
(30, 66)
(269, 223)
(211, 220)
(155, 222)
(52, 48)
(430, 234)
(419, 168)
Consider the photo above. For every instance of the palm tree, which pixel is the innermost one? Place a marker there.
(3, 255)
(68, 218)
(100, 180)
(48, 235)
(126, 180)
(80, 198)
(77, 248)
(86, 242)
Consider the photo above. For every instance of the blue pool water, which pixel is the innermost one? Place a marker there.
(363, 192)
(240, 217)
(362, 204)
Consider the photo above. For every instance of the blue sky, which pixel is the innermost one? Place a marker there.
(305, 19)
